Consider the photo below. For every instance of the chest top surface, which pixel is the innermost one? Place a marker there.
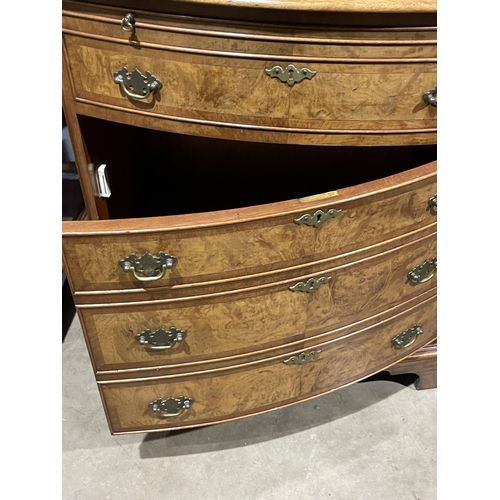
(387, 6)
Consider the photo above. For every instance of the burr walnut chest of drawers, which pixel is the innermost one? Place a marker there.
(260, 180)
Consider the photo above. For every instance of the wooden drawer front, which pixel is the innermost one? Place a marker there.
(235, 324)
(233, 38)
(216, 91)
(229, 394)
(251, 241)
(214, 77)
(364, 97)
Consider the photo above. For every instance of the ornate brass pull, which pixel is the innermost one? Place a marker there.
(407, 338)
(161, 339)
(424, 272)
(433, 204)
(310, 285)
(302, 358)
(136, 85)
(150, 268)
(128, 22)
(318, 218)
(170, 407)
(430, 98)
(290, 74)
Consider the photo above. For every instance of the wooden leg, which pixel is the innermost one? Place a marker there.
(423, 363)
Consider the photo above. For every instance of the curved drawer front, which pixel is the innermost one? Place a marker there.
(233, 37)
(248, 242)
(353, 85)
(229, 394)
(229, 325)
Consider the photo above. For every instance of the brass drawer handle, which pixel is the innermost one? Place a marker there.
(430, 98)
(161, 339)
(290, 74)
(128, 22)
(433, 204)
(136, 85)
(302, 358)
(407, 338)
(150, 268)
(170, 407)
(310, 285)
(424, 272)
(318, 218)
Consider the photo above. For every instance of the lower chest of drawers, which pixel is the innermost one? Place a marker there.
(221, 394)
(173, 353)
(183, 361)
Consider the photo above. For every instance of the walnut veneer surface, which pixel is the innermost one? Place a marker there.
(219, 167)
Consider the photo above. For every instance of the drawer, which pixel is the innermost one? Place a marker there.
(228, 326)
(361, 89)
(228, 246)
(229, 37)
(228, 394)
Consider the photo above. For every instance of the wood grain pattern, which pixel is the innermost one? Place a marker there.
(253, 282)
(259, 133)
(376, 6)
(405, 18)
(332, 5)
(257, 41)
(93, 205)
(213, 76)
(216, 328)
(218, 365)
(236, 246)
(245, 391)
(365, 93)
(239, 323)
(150, 27)
(208, 89)
(230, 291)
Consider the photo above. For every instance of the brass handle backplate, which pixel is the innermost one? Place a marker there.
(318, 218)
(310, 285)
(430, 97)
(302, 358)
(433, 204)
(136, 85)
(128, 23)
(407, 338)
(290, 74)
(170, 407)
(160, 339)
(147, 267)
(422, 273)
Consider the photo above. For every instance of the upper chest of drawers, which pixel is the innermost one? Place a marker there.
(220, 78)
(257, 82)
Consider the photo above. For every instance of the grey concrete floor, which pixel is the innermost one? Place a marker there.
(369, 441)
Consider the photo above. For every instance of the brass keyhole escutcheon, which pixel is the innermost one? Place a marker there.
(302, 358)
(318, 218)
(290, 75)
(310, 285)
